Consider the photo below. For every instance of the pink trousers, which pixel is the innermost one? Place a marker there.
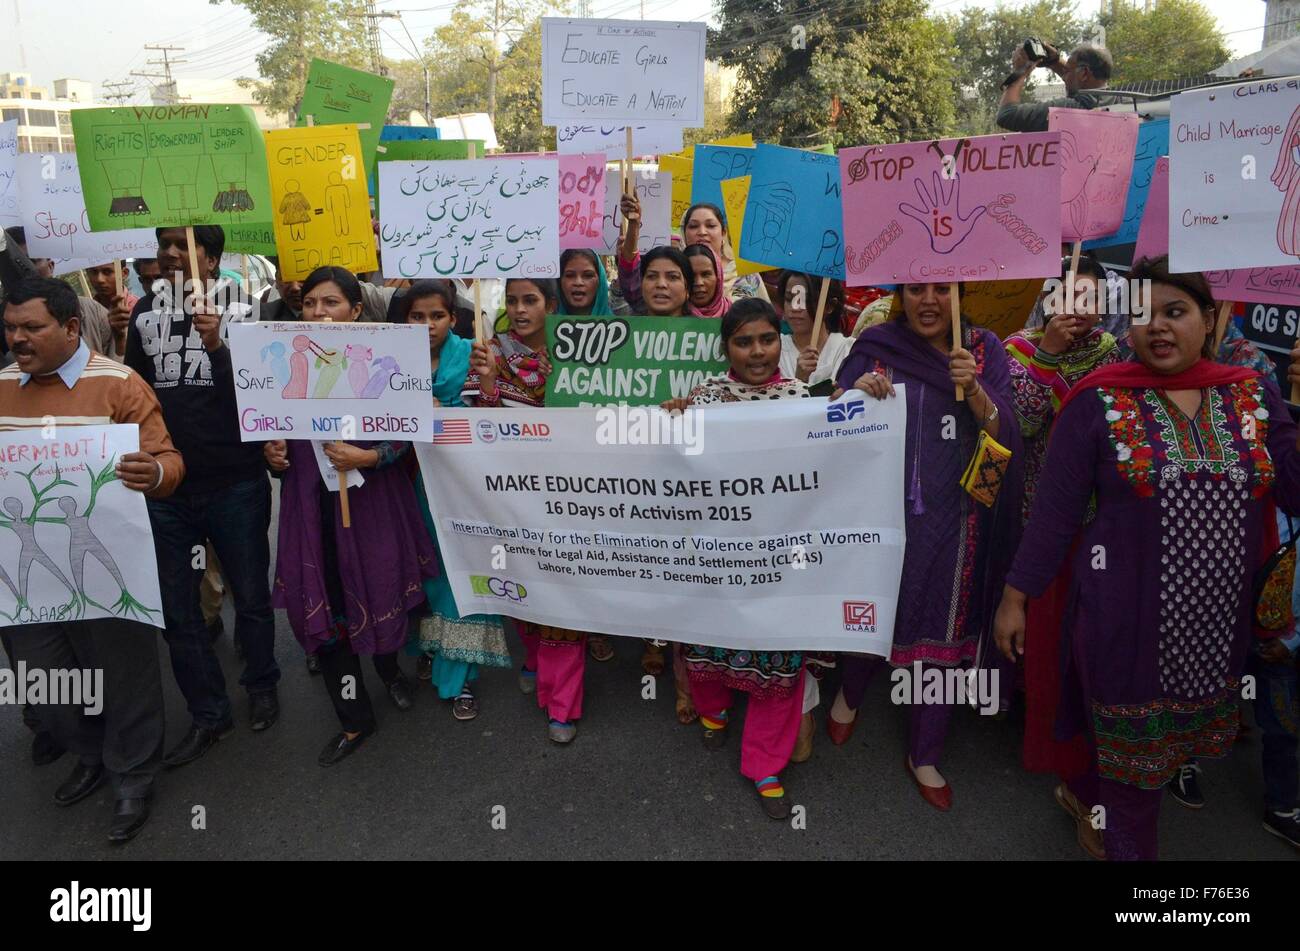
(559, 657)
(771, 725)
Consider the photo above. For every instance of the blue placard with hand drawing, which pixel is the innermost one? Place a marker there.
(794, 218)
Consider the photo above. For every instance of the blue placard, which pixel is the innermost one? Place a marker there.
(1153, 142)
(794, 218)
(407, 133)
(713, 165)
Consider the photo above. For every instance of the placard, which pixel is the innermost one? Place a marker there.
(648, 138)
(10, 213)
(1096, 158)
(171, 166)
(55, 219)
(77, 542)
(735, 196)
(985, 208)
(479, 218)
(1152, 143)
(622, 69)
(584, 198)
(794, 216)
(320, 381)
(337, 94)
(655, 193)
(322, 208)
(713, 164)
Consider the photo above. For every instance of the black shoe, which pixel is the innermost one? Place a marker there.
(198, 741)
(1284, 825)
(1185, 787)
(313, 664)
(341, 747)
(215, 627)
(263, 710)
(399, 691)
(129, 817)
(45, 750)
(81, 782)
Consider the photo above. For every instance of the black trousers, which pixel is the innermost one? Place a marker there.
(341, 671)
(126, 736)
(30, 719)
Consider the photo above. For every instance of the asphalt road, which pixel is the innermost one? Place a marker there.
(634, 785)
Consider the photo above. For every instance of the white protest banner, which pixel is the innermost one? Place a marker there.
(730, 526)
(321, 381)
(648, 138)
(480, 218)
(1234, 177)
(10, 213)
(54, 215)
(656, 194)
(78, 544)
(622, 69)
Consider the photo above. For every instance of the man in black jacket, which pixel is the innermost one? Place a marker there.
(176, 341)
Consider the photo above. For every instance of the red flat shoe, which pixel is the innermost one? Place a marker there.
(938, 796)
(839, 732)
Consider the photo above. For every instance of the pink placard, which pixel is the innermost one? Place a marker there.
(582, 196)
(1097, 151)
(1153, 232)
(1258, 285)
(976, 209)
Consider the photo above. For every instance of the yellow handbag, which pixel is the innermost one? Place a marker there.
(983, 477)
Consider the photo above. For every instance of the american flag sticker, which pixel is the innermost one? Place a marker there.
(451, 432)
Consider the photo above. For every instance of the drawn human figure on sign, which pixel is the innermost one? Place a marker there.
(385, 367)
(180, 177)
(83, 541)
(773, 212)
(338, 200)
(330, 364)
(1286, 176)
(295, 210)
(231, 171)
(358, 358)
(30, 550)
(279, 366)
(939, 213)
(8, 582)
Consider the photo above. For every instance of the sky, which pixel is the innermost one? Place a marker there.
(77, 39)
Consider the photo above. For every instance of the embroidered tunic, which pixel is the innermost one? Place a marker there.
(1160, 605)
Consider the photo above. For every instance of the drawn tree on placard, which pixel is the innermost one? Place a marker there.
(1286, 176)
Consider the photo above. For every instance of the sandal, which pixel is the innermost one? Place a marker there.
(599, 648)
(652, 661)
(465, 706)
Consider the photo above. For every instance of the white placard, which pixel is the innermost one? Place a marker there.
(77, 542)
(10, 213)
(656, 195)
(744, 535)
(329, 474)
(622, 69)
(1234, 176)
(54, 215)
(648, 138)
(322, 381)
(480, 218)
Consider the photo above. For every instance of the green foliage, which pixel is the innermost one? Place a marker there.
(1176, 38)
(301, 30)
(845, 73)
(986, 38)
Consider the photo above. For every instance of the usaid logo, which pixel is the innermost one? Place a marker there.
(845, 411)
(860, 616)
(486, 432)
(489, 587)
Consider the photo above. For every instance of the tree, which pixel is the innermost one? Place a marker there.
(848, 73)
(301, 30)
(1174, 39)
(986, 38)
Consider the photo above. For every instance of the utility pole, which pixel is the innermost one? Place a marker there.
(372, 39)
(168, 84)
(119, 93)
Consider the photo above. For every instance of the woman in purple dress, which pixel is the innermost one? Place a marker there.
(347, 591)
(1185, 458)
(957, 547)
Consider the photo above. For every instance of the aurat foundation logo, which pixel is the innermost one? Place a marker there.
(860, 616)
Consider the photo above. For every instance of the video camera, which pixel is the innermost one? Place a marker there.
(1039, 54)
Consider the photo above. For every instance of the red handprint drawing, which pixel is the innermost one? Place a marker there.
(940, 213)
(1286, 176)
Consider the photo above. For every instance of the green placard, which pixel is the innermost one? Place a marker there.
(169, 166)
(429, 150)
(337, 94)
(640, 361)
(256, 238)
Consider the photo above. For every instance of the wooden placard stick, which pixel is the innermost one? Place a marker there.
(478, 310)
(1221, 326)
(821, 311)
(626, 173)
(200, 288)
(344, 511)
(117, 278)
(954, 300)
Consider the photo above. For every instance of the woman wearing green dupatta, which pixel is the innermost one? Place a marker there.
(455, 646)
(584, 287)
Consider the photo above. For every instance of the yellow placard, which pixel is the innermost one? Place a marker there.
(319, 198)
(735, 193)
(1000, 306)
(681, 166)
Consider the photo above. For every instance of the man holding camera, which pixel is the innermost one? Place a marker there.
(1089, 67)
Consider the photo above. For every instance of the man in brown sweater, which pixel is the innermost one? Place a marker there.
(56, 379)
